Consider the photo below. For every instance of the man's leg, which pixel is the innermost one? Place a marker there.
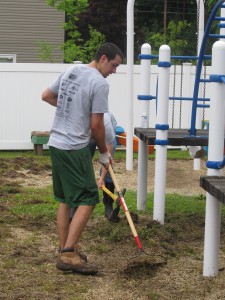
(107, 200)
(78, 224)
(63, 224)
(70, 258)
(70, 232)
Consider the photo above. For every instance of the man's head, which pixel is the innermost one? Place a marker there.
(107, 58)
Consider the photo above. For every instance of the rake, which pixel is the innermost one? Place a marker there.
(131, 263)
(127, 213)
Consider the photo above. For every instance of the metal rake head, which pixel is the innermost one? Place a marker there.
(144, 260)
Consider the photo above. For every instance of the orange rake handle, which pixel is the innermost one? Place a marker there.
(125, 209)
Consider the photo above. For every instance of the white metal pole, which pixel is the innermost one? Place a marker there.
(130, 62)
(142, 146)
(201, 23)
(222, 30)
(161, 134)
(215, 154)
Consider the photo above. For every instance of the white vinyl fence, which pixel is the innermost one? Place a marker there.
(23, 111)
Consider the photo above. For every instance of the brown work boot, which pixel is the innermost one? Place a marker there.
(82, 254)
(70, 260)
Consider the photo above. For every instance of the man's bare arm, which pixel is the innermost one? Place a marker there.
(104, 171)
(49, 97)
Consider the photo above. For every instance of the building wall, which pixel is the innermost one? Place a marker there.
(24, 23)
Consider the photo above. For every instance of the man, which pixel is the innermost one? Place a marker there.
(105, 178)
(81, 97)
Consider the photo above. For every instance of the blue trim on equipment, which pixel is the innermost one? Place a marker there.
(220, 18)
(217, 36)
(203, 105)
(185, 57)
(164, 64)
(145, 56)
(145, 97)
(161, 142)
(217, 78)
(162, 126)
(215, 164)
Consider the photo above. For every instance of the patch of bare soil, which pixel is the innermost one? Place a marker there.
(181, 178)
(172, 268)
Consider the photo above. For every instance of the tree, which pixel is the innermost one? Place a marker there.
(45, 51)
(91, 22)
(174, 38)
(75, 48)
(110, 18)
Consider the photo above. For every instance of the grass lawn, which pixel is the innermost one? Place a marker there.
(28, 243)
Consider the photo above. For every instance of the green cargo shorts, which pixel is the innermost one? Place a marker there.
(73, 176)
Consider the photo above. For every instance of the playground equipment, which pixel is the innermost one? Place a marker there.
(130, 62)
(122, 140)
(215, 161)
(162, 137)
(161, 132)
(202, 56)
(188, 137)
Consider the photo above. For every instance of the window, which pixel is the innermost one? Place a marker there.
(7, 58)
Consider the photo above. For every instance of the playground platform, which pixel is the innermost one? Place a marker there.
(215, 186)
(176, 137)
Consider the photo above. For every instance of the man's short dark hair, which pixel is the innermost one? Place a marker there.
(110, 50)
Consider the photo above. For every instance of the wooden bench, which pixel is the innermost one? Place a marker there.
(215, 186)
(39, 138)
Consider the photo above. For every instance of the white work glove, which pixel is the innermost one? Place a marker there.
(105, 159)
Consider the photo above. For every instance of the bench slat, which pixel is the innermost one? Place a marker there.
(215, 186)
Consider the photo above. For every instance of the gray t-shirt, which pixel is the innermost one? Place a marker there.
(81, 90)
(110, 127)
